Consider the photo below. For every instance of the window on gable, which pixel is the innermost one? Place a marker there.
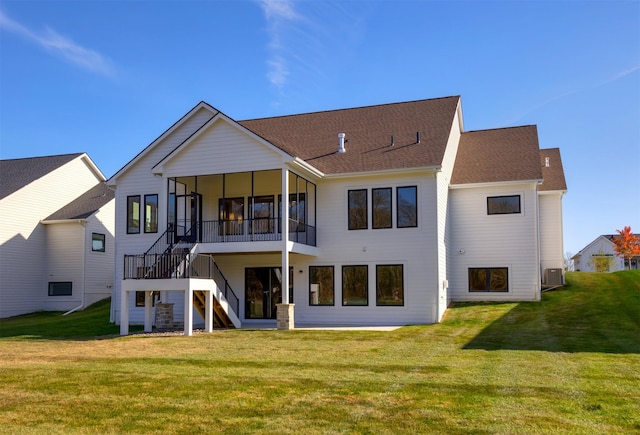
(321, 285)
(358, 209)
(61, 288)
(503, 204)
(355, 285)
(488, 279)
(151, 213)
(389, 284)
(133, 214)
(407, 207)
(97, 242)
(381, 207)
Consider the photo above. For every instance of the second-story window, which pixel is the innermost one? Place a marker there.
(358, 209)
(151, 213)
(133, 214)
(381, 207)
(407, 207)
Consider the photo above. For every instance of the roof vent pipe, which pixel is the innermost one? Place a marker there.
(417, 137)
(341, 137)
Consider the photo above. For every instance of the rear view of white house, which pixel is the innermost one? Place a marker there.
(378, 215)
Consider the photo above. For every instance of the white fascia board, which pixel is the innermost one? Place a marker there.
(64, 221)
(493, 184)
(552, 192)
(299, 163)
(113, 180)
(426, 169)
(93, 166)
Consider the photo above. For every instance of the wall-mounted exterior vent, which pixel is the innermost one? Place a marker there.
(553, 277)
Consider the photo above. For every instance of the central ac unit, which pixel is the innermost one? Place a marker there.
(553, 277)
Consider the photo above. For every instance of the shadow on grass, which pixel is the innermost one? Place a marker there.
(91, 323)
(591, 314)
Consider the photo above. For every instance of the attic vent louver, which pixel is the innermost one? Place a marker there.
(341, 148)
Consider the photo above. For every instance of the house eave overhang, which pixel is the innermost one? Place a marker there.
(494, 184)
(552, 192)
(297, 162)
(113, 180)
(424, 169)
(63, 221)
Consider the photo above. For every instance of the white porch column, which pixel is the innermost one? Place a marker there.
(285, 236)
(148, 311)
(208, 316)
(284, 311)
(188, 310)
(124, 312)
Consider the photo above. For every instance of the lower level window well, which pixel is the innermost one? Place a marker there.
(489, 279)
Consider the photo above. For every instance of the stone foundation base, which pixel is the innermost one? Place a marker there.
(164, 317)
(285, 316)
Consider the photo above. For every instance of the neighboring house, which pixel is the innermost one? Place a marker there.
(600, 256)
(57, 246)
(392, 212)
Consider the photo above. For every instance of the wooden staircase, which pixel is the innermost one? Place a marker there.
(220, 318)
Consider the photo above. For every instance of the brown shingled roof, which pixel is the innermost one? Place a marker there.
(17, 173)
(86, 204)
(554, 174)
(504, 154)
(313, 137)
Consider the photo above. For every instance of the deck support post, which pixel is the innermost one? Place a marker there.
(124, 312)
(188, 310)
(148, 311)
(208, 309)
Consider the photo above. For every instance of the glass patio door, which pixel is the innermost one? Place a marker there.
(188, 216)
(263, 291)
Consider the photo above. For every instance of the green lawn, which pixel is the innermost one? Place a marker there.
(569, 364)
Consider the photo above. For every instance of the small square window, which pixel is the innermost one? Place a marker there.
(97, 242)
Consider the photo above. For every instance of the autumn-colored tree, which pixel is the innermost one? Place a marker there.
(627, 245)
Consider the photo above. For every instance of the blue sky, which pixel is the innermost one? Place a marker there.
(108, 77)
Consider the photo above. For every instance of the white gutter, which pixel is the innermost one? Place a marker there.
(427, 169)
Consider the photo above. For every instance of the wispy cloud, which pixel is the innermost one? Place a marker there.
(604, 82)
(279, 14)
(61, 46)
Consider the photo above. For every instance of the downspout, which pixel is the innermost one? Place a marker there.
(84, 269)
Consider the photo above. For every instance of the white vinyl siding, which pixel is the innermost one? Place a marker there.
(222, 148)
(65, 263)
(99, 266)
(551, 246)
(23, 287)
(479, 240)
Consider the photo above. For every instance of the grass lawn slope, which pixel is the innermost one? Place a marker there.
(568, 364)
